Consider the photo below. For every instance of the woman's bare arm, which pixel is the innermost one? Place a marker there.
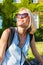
(34, 51)
(3, 43)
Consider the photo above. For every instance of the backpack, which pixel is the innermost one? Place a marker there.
(10, 38)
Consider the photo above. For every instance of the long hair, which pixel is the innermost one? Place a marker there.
(31, 28)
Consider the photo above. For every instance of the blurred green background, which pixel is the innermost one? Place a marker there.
(9, 8)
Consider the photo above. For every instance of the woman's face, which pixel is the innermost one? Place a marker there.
(23, 19)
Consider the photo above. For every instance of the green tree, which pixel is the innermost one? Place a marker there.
(8, 9)
(0, 7)
(40, 7)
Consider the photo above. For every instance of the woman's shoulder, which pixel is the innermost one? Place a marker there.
(5, 33)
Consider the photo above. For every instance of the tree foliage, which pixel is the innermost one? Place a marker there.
(32, 7)
(40, 7)
(8, 8)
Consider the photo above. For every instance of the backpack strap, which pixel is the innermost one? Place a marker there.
(10, 38)
(31, 37)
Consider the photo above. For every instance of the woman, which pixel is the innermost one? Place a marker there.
(21, 41)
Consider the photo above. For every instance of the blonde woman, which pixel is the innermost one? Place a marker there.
(17, 51)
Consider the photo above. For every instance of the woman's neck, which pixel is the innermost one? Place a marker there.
(21, 31)
(22, 35)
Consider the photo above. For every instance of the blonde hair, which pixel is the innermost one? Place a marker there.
(32, 22)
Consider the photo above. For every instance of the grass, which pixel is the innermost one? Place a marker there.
(39, 46)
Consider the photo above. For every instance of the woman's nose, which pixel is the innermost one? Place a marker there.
(21, 17)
